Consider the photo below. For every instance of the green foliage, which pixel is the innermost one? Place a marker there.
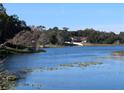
(2, 9)
(121, 37)
(57, 36)
(94, 36)
(10, 25)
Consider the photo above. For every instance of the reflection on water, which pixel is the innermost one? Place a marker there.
(88, 67)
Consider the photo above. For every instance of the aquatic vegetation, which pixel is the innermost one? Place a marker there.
(51, 68)
(31, 85)
(67, 65)
(7, 80)
(80, 64)
(26, 70)
(113, 57)
(118, 53)
(39, 69)
(89, 64)
(59, 67)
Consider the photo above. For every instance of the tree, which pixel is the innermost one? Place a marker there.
(10, 26)
(65, 28)
(41, 28)
(121, 37)
(55, 29)
(44, 39)
(60, 38)
(2, 9)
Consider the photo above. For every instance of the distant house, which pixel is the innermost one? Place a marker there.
(83, 39)
(79, 39)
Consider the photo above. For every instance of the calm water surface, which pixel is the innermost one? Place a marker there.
(51, 70)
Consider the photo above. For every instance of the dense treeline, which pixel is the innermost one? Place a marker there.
(58, 36)
(38, 36)
(94, 36)
(11, 25)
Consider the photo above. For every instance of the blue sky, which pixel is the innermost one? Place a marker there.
(105, 17)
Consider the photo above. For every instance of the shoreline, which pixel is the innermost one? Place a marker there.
(91, 44)
(86, 44)
(7, 79)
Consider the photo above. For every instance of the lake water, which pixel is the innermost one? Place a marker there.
(60, 68)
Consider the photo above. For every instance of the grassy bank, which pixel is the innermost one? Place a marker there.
(9, 50)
